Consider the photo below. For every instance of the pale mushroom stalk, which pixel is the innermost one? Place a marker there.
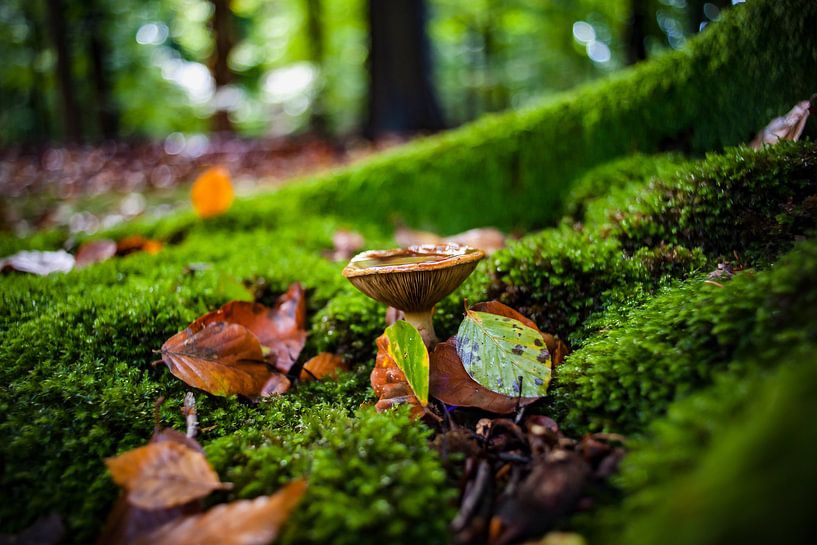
(425, 325)
(413, 279)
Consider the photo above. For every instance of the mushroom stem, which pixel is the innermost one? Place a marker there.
(422, 321)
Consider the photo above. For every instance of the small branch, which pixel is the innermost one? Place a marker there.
(189, 412)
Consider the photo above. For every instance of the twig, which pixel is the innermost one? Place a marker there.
(472, 497)
(189, 412)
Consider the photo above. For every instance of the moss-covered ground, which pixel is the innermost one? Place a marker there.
(625, 219)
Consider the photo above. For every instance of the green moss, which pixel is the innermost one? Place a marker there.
(743, 202)
(679, 340)
(372, 477)
(752, 203)
(75, 348)
(618, 176)
(731, 464)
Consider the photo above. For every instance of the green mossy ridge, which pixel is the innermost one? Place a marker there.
(731, 464)
(680, 340)
(755, 203)
(524, 161)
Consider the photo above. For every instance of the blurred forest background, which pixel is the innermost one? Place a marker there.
(304, 81)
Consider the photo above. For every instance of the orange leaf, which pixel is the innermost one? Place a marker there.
(321, 366)
(163, 474)
(137, 243)
(389, 382)
(217, 357)
(243, 522)
(212, 192)
(281, 329)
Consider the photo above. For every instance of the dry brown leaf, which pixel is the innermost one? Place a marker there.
(95, 251)
(406, 237)
(324, 365)
(450, 383)
(277, 384)
(243, 522)
(487, 239)
(212, 192)
(163, 474)
(281, 329)
(217, 357)
(138, 243)
(346, 244)
(126, 522)
(786, 127)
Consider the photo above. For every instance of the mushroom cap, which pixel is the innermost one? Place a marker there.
(412, 279)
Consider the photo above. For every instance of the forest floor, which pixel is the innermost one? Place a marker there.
(92, 187)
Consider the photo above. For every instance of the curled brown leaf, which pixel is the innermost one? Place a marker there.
(242, 522)
(324, 365)
(163, 474)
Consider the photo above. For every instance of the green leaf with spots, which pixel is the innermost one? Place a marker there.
(504, 355)
(408, 351)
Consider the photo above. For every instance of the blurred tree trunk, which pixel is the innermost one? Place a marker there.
(497, 96)
(314, 29)
(36, 98)
(401, 95)
(637, 31)
(65, 80)
(222, 25)
(107, 113)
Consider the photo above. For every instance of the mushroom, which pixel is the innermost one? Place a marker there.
(413, 279)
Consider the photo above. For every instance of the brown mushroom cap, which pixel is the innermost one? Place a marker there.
(412, 279)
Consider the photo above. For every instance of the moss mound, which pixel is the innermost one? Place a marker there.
(76, 349)
(731, 464)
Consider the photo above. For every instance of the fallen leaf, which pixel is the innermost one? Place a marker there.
(46, 530)
(137, 243)
(487, 239)
(212, 192)
(276, 385)
(389, 382)
(346, 244)
(95, 251)
(408, 351)
(786, 127)
(504, 354)
(451, 384)
(281, 329)
(218, 357)
(557, 348)
(38, 262)
(163, 474)
(242, 522)
(324, 365)
(406, 237)
(126, 522)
